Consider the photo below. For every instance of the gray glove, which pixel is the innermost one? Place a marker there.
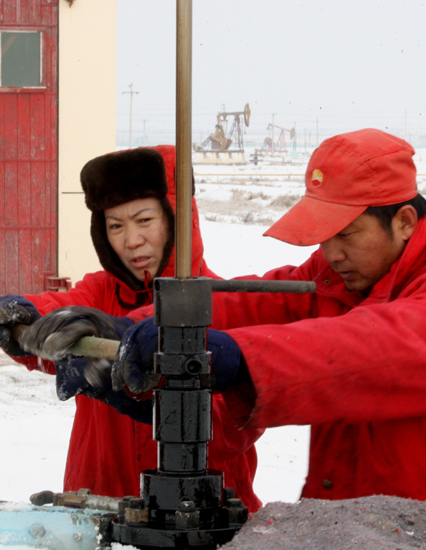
(53, 335)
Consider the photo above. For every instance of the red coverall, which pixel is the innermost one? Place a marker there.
(107, 450)
(352, 367)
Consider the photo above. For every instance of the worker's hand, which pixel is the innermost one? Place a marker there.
(226, 359)
(71, 380)
(134, 366)
(52, 336)
(15, 310)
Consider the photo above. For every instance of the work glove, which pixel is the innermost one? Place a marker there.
(15, 310)
(52, 336)
(134, 366)
(71, 380)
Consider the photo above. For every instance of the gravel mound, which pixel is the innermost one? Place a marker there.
(368, 523)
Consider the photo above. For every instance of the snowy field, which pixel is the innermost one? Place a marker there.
(236, 206)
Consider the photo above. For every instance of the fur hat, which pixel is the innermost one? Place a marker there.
(117, 178)
(124, 176)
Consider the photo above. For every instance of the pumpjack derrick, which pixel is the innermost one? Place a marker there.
(222, 139)
(279, 145)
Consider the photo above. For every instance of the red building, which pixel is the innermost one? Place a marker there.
(44, 226)
(28, 144)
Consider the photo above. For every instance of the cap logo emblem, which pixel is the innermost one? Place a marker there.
(317, 177)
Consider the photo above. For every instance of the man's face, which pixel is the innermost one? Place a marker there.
(138, 232)
(364, 252)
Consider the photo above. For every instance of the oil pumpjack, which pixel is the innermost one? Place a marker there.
(224, 146)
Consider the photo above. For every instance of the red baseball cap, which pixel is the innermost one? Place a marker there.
(346, 174)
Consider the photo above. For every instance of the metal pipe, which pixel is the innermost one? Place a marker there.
(88, 346)
(262, 286)
(183, 139)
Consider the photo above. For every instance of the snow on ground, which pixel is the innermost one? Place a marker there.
(35, 428)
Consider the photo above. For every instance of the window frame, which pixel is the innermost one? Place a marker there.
(41, 32)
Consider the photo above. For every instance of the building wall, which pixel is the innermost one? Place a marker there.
(86, 126)
(28, 144)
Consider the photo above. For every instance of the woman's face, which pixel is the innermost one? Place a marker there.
(138, 232)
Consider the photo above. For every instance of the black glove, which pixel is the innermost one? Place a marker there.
(134, 365)
(52, 336)
(71, 380)
(15, 310)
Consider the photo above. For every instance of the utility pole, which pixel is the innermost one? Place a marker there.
(131, 106)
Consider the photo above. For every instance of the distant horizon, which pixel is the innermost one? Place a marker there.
(405, 128)
(417, 140)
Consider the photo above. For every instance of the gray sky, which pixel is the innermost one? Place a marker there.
(346, 63)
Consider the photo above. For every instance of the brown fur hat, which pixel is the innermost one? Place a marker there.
(124, 176)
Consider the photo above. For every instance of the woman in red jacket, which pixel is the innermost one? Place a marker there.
(132, 198)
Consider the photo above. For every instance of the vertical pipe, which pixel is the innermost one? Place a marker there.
(183, 138)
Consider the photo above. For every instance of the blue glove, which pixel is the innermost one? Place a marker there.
(71, 380)
(226, 359)
(134, 366)
(15, 310)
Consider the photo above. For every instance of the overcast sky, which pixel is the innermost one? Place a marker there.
(341, 64)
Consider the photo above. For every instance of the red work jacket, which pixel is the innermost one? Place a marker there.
(108, 451)
(353, 367)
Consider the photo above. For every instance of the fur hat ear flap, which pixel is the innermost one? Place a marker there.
(117, 178)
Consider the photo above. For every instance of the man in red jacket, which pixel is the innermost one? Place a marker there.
(349, 359)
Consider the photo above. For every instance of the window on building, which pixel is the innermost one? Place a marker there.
(20, 59)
